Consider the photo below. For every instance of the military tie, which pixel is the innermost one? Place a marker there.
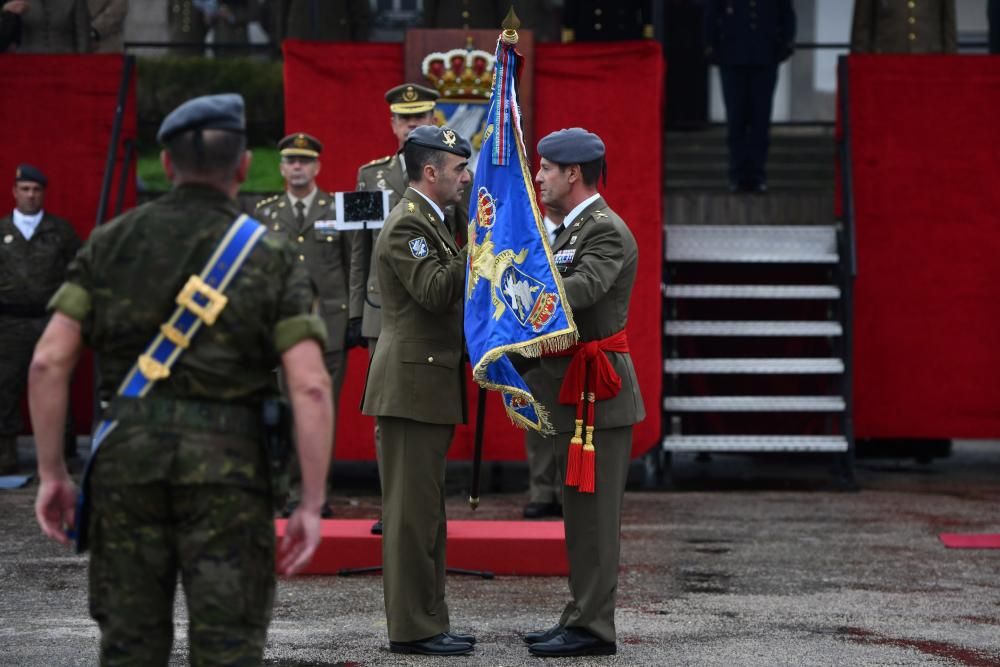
(556, 232)
(300, 214)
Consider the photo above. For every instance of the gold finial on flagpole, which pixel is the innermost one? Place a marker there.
(510, 25)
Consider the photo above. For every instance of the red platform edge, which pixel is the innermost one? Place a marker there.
(514, 548)
(971, 540)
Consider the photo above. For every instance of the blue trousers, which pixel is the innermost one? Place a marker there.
(748, 92)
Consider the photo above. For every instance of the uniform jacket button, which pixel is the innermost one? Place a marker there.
(430, 360)
(302, 258)
(302, 239)
(343, 306)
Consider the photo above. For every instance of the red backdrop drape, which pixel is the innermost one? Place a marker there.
(334, 91)
(57, 114)
(925, 137)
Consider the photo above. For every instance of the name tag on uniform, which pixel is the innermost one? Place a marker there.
(564, 256)
(329, 226)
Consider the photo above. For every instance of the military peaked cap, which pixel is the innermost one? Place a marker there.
(440, 139)
(411, 98)
(300, 144)
(26, 172)
(209, 112)
(573, 146)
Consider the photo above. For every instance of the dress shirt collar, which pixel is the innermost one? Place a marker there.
(437, 209)
(578, 209)
(307, 200)
(27, 224)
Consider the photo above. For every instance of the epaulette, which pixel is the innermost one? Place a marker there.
(265, 202)
(381, 160)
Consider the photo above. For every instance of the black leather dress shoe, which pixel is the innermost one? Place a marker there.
(542, 635)
(539, 510)
(441, 644)
(377, 527)
(572, 642)
(468, 639)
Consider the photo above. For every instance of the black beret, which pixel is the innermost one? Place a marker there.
(27, 172)
(411, 98)
(573, 146)
(209, 112)
(300, 144)
(441, 139)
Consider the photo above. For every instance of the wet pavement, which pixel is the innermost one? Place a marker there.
(743, 562)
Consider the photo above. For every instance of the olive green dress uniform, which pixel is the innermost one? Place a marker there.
(598, 270)
(415, 388)
(181, 484)
(31, 270)
(326, 254)
(904, 26)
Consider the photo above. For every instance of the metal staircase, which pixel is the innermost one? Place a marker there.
(757, 341)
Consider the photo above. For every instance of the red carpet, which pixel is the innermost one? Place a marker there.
(521, 548)
(971, 540)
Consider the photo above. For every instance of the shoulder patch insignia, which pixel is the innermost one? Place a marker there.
(411, 207)
(418, 247)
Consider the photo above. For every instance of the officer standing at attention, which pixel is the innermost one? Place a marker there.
(747, 39)
(180, 483)
(596, 256)
(415, 388)
(35, 247)
(302, 215)
(410, 106)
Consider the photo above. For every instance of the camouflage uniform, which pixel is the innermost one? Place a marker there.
(180, 485)
(30, 271)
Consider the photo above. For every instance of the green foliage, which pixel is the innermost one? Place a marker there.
(263, 177)
(163, 83)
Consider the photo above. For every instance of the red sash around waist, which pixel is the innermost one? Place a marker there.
(590, 377)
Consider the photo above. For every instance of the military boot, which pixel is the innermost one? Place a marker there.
(8, 455)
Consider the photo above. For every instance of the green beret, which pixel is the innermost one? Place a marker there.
(441, 139)
(210, 112)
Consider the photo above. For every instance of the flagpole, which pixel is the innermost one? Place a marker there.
(477, 452)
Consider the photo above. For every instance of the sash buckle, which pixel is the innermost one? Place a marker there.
(210, 311)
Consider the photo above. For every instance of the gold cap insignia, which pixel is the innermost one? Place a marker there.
(409, 95)
(449, 137)
(300, 141)
(17, 177)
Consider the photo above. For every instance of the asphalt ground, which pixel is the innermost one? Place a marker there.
(745, 561)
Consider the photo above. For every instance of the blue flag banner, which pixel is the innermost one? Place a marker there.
(515, 303)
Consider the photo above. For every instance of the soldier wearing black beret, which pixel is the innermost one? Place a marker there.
(415, 388)
(35, 247)
(596, 256)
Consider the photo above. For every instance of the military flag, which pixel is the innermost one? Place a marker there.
(515, 303)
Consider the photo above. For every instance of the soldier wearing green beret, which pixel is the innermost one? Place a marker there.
(596, 256)
(415, 388)
(410, 106)
(180, 484)
(35, 247)
(302, 215)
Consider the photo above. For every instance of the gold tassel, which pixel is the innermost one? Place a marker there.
(575, 454)
(588, 464)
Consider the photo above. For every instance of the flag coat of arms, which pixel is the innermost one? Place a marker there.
(515, 303)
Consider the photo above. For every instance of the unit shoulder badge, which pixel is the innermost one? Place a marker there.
(418, 247)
